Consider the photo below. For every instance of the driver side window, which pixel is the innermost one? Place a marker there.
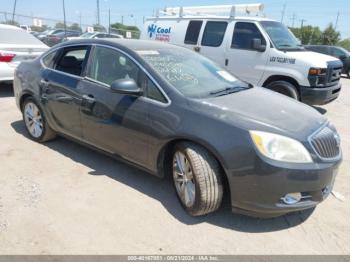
(243, 35)
(109, 65)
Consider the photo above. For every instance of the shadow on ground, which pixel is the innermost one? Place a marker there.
(162, 189)
(321, 110)
(6, 90)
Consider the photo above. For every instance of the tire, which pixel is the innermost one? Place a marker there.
(205, 179)
(284, 88)
(348, 73)
(38, 122)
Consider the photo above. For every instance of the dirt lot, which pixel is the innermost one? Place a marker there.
(62, 198)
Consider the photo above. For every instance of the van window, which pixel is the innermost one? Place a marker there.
(214, 33)
(192, 34)
(337, 52)
(243, 35)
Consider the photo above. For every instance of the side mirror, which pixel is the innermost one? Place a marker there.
(342, 57)
(257, 45)
(126, 86)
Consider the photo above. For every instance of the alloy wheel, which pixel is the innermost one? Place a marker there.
(33, 120)
(184, 179)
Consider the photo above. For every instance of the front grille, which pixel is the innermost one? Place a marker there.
(335, 74)
(326, 143)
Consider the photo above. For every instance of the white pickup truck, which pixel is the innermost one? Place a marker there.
(257, 50)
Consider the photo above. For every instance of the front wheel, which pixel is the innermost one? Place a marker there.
(35, 122)
(197, 179)
(284, 88)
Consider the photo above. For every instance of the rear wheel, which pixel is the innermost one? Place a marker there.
(285, 88)
(35, 122)
(197, 179)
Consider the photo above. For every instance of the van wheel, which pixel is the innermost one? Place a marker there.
(284, 88)
(197, 179)
(35, 121)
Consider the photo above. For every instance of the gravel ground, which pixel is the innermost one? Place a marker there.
(62, 198)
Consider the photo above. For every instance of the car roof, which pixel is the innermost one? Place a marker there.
(132, 44)
(4, 26)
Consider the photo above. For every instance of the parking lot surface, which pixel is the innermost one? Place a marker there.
(62, 198)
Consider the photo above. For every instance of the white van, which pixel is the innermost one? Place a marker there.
(257, 50)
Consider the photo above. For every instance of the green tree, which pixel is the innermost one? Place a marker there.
(308, 35)
(75, 27)
(38, 28)
(330, 36)
(345, 43)
(99, 28)
(10, 22)
(59, 25)
(122, 29)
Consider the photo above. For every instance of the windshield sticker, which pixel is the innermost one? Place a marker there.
(147, 52)
(227, 76)
(282, 60)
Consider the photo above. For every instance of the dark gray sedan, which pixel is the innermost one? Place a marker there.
(173, 112)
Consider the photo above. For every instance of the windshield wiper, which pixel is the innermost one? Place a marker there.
(230, 90)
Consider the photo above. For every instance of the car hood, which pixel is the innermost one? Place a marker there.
(260, 109)
(313, 58)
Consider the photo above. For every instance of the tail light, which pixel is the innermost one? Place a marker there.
(6, 57)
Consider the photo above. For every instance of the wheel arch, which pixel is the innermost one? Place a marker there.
(288, 79)
(23, 97)
(165, 155)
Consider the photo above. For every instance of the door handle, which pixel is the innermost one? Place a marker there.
(226, 62)
(197, 49)
(88, 102)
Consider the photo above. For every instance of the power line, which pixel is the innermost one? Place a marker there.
(293, 19)
(283, 12)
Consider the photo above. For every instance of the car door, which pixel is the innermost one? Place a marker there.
(212, 43)
(242, 60)
(59, 84)
(115, 122)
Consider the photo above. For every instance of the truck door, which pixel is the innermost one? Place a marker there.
(212, 44)
(243, 59)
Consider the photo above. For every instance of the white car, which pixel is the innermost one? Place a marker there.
(88, 35)
(16, 45)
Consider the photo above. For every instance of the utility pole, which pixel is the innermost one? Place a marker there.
(98, 12)
(283, 12)
(64, 19)
(293, 19)
(336, 21)
(122, 19)
(109, 21)
(301, 29)
(14, 11)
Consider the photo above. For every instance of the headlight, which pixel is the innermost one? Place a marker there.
(280, 148)
(317, 76)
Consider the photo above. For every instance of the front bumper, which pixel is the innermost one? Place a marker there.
(319, 96)
(258, 191)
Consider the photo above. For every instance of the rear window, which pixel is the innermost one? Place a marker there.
(192, 34)
(214, 33)
(14, 36)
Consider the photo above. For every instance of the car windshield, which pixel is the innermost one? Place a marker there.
(17, 36)
(192, 74)
(87, 35)
(281, 36)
